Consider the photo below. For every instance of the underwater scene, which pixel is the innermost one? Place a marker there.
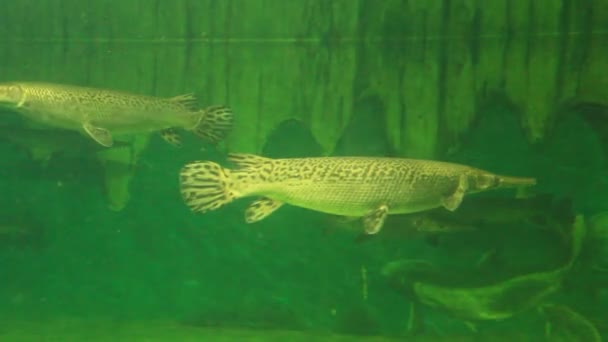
(305, 170)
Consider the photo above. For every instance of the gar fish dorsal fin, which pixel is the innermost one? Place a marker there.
(187, 100)
(244, 160)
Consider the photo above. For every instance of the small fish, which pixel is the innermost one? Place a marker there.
(503, 299)
(367, 187)
(103, 113)
(494, 302)
(482, 213)
(401, 226)
(541, 209)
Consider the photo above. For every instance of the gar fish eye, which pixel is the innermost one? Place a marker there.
(14, 91)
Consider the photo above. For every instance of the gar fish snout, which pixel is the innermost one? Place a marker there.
(516, 181)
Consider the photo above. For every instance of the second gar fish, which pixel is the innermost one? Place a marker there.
(103, 113)
(367, 187)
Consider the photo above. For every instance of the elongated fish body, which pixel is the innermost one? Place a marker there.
(567, 324)
(102, 113)
(365, 187)
(503, 299)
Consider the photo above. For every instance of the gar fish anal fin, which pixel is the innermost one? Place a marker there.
(373, 221)
(171, 136)
(186, 100)
(452, 202)
(260, 209)
(101, 135)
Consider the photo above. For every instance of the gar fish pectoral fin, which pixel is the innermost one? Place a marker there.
(101, 135)
(452, 202)
(261, 208)
(373, 221)
(171, 136)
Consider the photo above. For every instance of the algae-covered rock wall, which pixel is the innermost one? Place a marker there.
(430, 63)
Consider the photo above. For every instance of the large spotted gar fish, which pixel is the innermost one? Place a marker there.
(103, 113)
(366, 187)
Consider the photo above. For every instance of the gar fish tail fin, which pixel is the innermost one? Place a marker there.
(213, 123)
(206, 186)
